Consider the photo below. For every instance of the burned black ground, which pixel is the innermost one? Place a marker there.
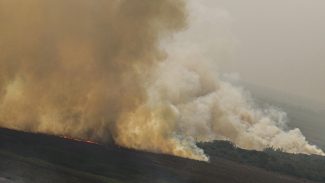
(27, 157)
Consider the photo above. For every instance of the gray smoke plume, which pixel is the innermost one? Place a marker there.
(94, 70)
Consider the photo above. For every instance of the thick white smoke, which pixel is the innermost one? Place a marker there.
(206, 108)
(203, 107)
(97, 72)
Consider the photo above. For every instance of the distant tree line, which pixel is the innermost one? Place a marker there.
(311, 167)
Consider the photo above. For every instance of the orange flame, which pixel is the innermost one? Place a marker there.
(79, 140)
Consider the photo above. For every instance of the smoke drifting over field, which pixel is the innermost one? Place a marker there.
(94, 70)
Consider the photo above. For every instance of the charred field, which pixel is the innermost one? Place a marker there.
(28, 157)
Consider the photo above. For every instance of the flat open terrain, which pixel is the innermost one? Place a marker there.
(33, 158)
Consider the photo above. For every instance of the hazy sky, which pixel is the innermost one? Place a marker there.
(279, 44)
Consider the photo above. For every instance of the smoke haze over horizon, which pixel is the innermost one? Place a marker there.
(113, 70)
(278, 44)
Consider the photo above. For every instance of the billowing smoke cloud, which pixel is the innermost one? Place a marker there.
(206, 108)
(94, 70)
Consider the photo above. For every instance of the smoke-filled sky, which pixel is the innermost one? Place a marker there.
(141, 73)
(279, 44)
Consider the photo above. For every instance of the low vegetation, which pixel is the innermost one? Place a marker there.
(311, 167)
(34, 158)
